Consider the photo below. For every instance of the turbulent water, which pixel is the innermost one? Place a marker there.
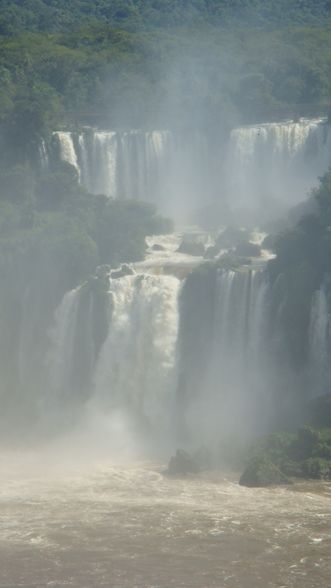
(126, 525)
(273, 164)
(136, 368)
(142, 359)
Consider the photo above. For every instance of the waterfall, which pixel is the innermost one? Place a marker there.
(43, 156)
(276, 164)
(228, 391)
(67, 149)
(268, 167)
(130, 165)
(319, 344)
(170, 171)
(136, 368)
(60, 365)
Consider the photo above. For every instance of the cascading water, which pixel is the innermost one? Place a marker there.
(227, 391)
(136, 368)
(276, 164)
(130, 165)
(157, 166)
(67, 150)
(268, 167)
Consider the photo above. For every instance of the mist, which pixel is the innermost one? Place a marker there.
(165, 294)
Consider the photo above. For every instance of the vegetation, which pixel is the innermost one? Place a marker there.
(302, 264)
(102, 66)
(40, 15)
(305, 454)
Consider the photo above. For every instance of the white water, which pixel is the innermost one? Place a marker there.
(126, 525)
(135, 373)
(267, 169)
(275, 165)
(67, 150)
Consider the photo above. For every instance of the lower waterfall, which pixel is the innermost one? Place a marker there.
(135, 372)
(223, 373)
(167, 365)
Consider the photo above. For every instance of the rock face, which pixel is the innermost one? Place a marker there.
(211, 252)
(262, 472)
(124, 270)
(248, 249)
(193, 248)
(184, 463)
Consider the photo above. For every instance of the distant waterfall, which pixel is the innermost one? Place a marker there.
(276, 164)
(261, 170)
(130, 165)
(136, 368)
(319, 344)
(169, 170)
(67, 150)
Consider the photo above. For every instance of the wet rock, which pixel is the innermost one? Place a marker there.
(192, 248)
(157, 247)
(182, 464)
(124, 270)
(230, 237)
(262, 472)
(248, 249)
(211, 252)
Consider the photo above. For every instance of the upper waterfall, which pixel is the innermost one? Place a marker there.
(261, 170)
(276, 164)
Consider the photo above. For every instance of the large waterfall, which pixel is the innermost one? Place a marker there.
(270, 166)
(151, 371)
(136, 368)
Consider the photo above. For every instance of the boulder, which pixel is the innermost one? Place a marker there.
(248, 249)
(182, 464)
(124, 270)
(261, 472)
(211, 252)
(193, 248)
(157, 247)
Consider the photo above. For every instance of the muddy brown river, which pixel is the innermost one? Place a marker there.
(125, 525)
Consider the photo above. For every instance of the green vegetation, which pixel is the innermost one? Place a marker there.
(40, 15)
(302, 264)
(305, 454)
(79, 63)
(51, 224)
